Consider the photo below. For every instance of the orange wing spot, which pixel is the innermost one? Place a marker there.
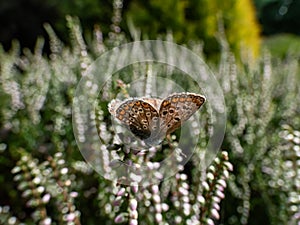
(175, 99)
(165, 103)
(181, 99)
(189, 99)
(122, 112)
(120, 117)
(138, 103)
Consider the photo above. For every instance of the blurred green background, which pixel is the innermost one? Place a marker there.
(188, 20)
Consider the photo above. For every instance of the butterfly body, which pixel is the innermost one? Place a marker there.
(151, 119)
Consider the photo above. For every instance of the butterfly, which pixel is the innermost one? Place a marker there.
(151, 119)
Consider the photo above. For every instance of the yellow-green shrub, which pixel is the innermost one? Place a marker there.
(194, 19)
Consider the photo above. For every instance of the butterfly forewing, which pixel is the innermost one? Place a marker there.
(177, 108)
(138, 116)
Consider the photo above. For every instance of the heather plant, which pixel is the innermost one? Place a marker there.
(45, 180)
(261, 104)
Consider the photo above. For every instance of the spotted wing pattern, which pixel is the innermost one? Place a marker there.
(177, 108)
(150, 119)
(139, 116)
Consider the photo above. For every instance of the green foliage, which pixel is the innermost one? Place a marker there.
(153, 18)
(191, 20)
(283, 45)
(187, 20)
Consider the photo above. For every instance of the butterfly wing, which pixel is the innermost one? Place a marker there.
(177, 108)
(139, 116)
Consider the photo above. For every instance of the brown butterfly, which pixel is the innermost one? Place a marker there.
(151, 119)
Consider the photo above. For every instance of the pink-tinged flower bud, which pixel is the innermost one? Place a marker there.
(186, 209)
(185, 185)
(178, 219)
(183, 191)
(152, 149)
(121, 192)
(217, 160)
(133, 204)
(133, 222)
(165, 207)
(216, 206)
(64, 170)
(155, 189)
(212, 169)
(222, 183)
(183, 176)
(70, 217)
(133, 214)
(158, 208)
(156, 198)
(226, 173)
(220, 194)
(156, 165)
(180, 167)
(158, 217)
(121, 218)
(225, 155)
(205, 185)
(219, 187)
(134, 188)
(210, 176)
(150, 165)
(74, 194)
(158, 175)
(46, 198)
(215, 213)
(201, 199)
(210, 222)
(135, 177)
(185, 198)
(47, 221)
(216, 199)
(68, 182)
(229, 166)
